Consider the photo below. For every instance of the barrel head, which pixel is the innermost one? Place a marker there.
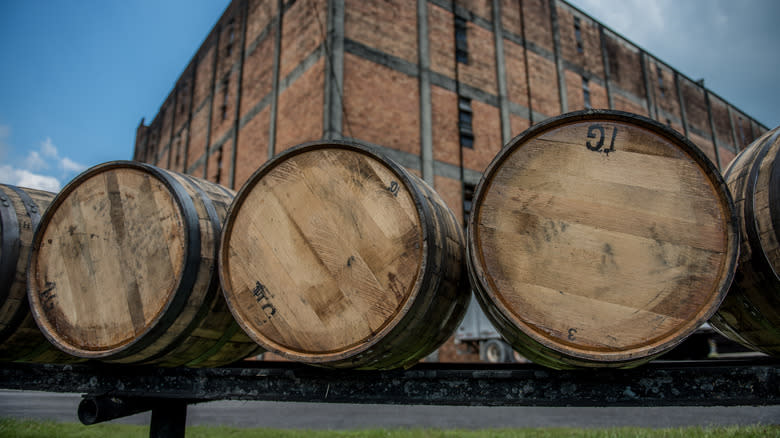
(321, 252)
(601, 238)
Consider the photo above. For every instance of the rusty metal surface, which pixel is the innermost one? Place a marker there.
(701, 383)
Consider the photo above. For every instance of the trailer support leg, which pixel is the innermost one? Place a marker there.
(169, 419)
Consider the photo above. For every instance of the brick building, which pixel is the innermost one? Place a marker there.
(438, 85)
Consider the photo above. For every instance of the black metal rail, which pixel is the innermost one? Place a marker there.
(112, 391)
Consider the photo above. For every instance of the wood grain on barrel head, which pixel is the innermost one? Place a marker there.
(600, 239)
(322, 252)
(109, 259)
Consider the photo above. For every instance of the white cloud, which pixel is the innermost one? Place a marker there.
(35, 161)
(71, 166)
(25, 178)
(48, 149)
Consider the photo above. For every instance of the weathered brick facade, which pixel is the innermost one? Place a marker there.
(272, 74)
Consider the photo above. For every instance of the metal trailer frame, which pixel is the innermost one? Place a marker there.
(114, 391)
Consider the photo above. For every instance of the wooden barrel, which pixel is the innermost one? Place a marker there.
(335, 256)
(600, 239)
(20, 338)
(750, 314)
(123, 269)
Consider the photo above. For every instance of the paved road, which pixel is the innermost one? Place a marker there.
(62, 407)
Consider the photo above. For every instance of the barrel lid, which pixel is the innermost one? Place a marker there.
(322, 251)
(109, 258)
(603, 236)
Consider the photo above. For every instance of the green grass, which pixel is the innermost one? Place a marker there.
(46, 429)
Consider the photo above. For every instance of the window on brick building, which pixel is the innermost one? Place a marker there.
(578, 35)
(586, 92)
(225, 96)
(461, 41)
(218, 175)
(465, 122)
(231, 30)
(661, 86)
(468, 196)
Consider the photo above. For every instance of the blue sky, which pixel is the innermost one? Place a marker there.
(76, 77)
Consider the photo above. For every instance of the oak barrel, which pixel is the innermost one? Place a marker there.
(750, 314)
(335, 256)
(600, 239)
(123, 269)
(20, 338)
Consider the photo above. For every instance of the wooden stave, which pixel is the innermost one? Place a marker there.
(391, 347)
(20, 338)
(750, 313)
(543, 353)
(196, 300)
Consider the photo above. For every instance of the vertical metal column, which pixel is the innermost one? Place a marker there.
(334, 71)
(211, 104)
(605, 61)
(237, 119)
(681, 102)
(503, 101)
(558, 57)
(275, 79)
(424, 60)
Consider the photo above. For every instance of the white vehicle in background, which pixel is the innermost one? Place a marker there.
(479, 334)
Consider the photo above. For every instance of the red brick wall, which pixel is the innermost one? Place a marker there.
(487, 136)
(516, 80)
(303, 30)
(544, 85)
(705, 144)
(450, 192)
(590, 58)
(260, 14)
(480, 8)
(203, 77)
(720, 118)
(480, 72)
(198, 136)
(444, 120)
(518, 124)
(441, 39)
(252, 149)
(219, 164)
(538, 27)
(389, 26)
(625, 68)
(511, 18)
(299, 117)
(695, 106)
(257, 81)
(381, 105)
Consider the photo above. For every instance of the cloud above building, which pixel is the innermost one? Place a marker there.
(42, 168)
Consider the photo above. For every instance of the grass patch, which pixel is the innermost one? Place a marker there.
(13, 428)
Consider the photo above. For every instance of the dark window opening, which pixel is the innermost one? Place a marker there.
(468, 196)
(661, 87)
(467, 140)
(461, 41)
(231, 37)
(218, 176)
(578, 35)
(225, 96)
(465, 122)
(586, 93)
